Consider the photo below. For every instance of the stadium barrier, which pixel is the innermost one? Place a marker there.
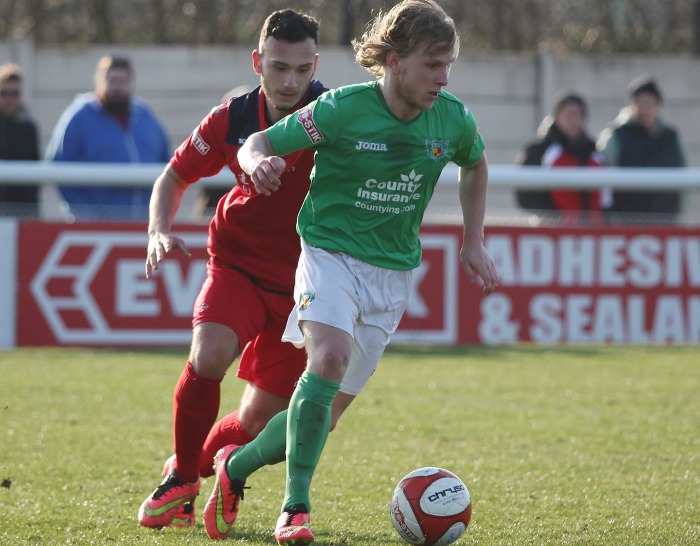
(42, 172)
(83, 284)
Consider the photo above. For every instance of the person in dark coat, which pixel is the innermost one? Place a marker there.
(639, 137)
(19, 140)
(562, 141)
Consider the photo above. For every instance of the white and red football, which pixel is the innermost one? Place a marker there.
(431, 507)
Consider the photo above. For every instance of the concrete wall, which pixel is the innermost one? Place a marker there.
(509, 92)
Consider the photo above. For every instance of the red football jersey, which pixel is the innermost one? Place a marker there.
(253, 233)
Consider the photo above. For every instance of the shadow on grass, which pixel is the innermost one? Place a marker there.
(321, 538)
(420, 351)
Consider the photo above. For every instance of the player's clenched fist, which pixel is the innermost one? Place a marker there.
(266, 174)
(159, 245)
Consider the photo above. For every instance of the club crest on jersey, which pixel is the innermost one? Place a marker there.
(198, 142)
(305, 300)
(305, 116)
(436, 149)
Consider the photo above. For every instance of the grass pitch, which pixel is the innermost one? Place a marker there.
(558, 446)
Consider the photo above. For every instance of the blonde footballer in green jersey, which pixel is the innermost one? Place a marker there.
(380, 148)
(374, 173)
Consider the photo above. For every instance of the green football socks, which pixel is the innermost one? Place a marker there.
(309, 418)
(266, 449)
(309, 422)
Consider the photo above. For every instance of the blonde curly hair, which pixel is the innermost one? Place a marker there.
(406, 27)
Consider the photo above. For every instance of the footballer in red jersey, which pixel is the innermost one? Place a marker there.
(253, 251)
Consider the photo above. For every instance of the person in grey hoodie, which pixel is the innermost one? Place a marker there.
(639, 137)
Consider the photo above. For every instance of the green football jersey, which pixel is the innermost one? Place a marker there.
(374, 174)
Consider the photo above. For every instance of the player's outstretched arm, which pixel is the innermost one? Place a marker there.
(257, 158)
(165, 202)
(476, 262)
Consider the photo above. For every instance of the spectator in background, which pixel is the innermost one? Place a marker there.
(109, 126)
(638, 137)
(562, 141)
(210, 197)
(19, 140)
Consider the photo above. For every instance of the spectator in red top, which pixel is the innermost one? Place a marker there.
(563, 142)
(253, 249)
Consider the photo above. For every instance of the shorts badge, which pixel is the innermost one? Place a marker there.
(305, 300)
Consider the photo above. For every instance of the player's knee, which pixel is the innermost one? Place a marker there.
(210, 361)
(214, 348)
(329, 362)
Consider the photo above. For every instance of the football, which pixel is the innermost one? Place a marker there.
(431, 507)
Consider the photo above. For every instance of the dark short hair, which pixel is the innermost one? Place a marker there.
(290, 26)
(565, 98)
(644, 84)
(108, 62)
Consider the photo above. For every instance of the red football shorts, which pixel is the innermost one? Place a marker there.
(258, 317)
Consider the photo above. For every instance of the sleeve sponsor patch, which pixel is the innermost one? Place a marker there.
(306, 118)
(199, 143)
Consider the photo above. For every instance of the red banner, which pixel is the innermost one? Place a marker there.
(84, 284)
(605, 285)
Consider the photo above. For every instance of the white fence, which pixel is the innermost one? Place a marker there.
(503, 179)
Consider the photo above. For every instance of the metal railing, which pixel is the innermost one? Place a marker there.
(502, 178)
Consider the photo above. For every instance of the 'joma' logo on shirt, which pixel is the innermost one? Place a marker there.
(374, 146)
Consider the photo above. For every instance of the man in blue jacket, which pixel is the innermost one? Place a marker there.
(109, 125)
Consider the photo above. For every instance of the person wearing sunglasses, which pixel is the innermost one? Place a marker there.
(19, 140)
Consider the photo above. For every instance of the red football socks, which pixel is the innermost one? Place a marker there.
(196, 405)
(227, 431)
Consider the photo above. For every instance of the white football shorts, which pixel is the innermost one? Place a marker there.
(363, 300)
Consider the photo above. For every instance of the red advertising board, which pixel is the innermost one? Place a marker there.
(84, 284)
(604, 285)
